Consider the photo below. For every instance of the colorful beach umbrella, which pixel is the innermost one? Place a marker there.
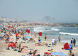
(27, 37)
(40, 33)
(2, 33)
(1, 26)
(27, 30)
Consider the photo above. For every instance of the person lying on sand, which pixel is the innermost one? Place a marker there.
(24, 50)
(41, 44)
(33, 53)
(32, 40)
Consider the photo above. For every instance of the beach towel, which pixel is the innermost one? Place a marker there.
(47, 53)
(58, 54)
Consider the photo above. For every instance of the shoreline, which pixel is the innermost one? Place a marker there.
(32, 45)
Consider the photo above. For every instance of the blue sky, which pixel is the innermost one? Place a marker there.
(37, 10)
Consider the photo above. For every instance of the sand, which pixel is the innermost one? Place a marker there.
(41, 49)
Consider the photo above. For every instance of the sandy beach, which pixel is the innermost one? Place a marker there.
(41, 49)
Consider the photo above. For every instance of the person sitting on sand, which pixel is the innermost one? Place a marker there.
(11, 45)
(6, 38)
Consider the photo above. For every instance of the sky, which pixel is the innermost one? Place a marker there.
(64, 11)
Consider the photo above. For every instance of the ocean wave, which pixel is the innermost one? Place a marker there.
(40, 29)
(55, 29)
(64, 33)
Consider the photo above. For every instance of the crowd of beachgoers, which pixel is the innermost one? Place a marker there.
(18, 40)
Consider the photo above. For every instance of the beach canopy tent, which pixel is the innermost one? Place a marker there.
(58, 53)
(70, 47)
(66, 46)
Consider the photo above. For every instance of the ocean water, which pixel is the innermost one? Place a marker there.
(66, 33)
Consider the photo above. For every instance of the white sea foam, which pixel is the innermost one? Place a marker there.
(55, 29)
(39, 29)
(64, 33)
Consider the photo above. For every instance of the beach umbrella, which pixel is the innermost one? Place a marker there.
(27, 37)
(40, 33)
(2, 33)
(27, 30)
(1, 26)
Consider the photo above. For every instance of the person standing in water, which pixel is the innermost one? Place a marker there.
(59, 38)
(74, 42)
